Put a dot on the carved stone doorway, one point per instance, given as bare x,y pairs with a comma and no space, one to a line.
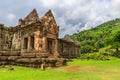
25,43
50,45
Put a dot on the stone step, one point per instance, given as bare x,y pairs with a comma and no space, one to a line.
28,55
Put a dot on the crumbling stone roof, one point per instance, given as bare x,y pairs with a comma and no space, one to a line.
30,18
33,15
1,25
48,17
69,39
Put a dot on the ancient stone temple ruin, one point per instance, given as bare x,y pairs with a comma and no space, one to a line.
34,38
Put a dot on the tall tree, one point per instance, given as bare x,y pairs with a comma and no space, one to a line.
116,41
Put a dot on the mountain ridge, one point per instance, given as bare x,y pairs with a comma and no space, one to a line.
98,37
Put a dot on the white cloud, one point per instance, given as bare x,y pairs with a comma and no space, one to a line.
87,13
71,15
10,17
49,3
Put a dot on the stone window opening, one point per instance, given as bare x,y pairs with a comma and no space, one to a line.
50,45
40,45
25,43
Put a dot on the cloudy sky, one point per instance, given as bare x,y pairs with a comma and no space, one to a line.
71,15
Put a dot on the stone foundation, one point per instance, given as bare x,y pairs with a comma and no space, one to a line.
29,60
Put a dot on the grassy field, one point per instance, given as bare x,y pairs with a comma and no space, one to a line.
75,70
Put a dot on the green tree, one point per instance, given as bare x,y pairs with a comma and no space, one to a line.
116,41
86,49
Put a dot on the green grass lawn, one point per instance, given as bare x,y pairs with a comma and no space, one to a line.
75,70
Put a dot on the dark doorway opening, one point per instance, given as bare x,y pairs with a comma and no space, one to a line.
25,43
50,45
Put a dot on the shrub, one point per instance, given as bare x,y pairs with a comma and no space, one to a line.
94,56
86,49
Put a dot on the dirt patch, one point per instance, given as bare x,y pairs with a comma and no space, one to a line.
91,68
73,68
78,68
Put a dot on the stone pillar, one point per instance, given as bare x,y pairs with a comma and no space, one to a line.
0,43
29,47
22,44
36,42
56,48
44,44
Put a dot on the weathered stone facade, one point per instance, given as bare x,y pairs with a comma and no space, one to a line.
34,34
5,38
38,36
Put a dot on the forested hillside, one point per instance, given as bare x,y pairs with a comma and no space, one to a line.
106,34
